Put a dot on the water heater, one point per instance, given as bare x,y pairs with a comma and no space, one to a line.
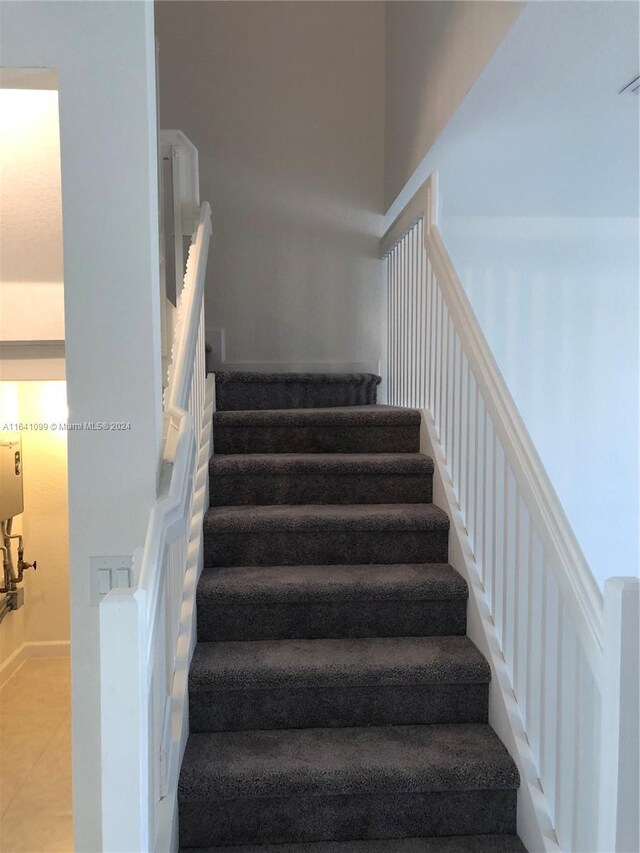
11,496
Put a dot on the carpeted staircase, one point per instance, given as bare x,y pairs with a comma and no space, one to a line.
336,705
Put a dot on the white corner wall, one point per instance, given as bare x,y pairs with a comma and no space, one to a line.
539,183
104,54
285,103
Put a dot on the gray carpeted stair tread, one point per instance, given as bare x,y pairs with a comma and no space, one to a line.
329,534
278,664
448,844
333,694
314,601
284,464
341,429
237,390
301,584
325,517
339,416
249,479
342,762
225,377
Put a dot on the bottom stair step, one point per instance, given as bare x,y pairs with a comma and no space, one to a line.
285,786
448,844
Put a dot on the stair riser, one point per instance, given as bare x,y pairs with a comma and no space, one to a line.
263,490
289,548
330,620
316,439
233,396
315,818
320,707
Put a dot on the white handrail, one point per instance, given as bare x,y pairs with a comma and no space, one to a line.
537,609
576,575
186,332
147,632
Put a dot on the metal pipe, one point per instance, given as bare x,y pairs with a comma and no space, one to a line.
7,527
12,578
5,568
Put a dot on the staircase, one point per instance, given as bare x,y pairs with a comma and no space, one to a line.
335,703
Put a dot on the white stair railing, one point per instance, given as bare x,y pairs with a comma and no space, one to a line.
571,656
147,632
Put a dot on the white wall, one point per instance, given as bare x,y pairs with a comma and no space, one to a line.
543,131
557,298
285,103
105,57
31,286
539,183
436,50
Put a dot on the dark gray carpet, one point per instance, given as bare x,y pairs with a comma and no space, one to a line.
314,663
325,534
336,705
305,784
315,478
457,844
359,429
315,683
274,820
236,391
285,602
337,762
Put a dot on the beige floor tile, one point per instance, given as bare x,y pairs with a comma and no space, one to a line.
45,716
9,786
40,687
40,669
35,759
37,833
47,788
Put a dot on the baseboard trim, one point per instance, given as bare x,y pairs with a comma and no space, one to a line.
42,649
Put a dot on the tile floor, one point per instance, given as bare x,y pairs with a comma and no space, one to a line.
35,759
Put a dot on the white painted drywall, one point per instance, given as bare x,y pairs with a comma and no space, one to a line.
435,52
31,286
285,103
104,54
557,298
539,185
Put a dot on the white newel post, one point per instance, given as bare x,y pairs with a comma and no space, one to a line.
619,830
125,722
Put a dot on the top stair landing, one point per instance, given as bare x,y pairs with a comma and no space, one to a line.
237,391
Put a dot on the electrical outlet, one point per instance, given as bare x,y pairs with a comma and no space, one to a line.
108,573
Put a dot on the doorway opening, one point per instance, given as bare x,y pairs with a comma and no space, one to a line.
35,689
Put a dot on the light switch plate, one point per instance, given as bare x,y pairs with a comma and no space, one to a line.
107,573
